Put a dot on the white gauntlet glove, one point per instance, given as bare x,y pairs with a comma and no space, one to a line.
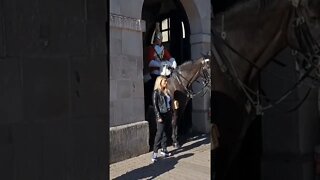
173,63
164,68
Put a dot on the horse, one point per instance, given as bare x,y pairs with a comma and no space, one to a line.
180,87
245,38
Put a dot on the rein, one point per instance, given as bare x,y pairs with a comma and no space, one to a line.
189,92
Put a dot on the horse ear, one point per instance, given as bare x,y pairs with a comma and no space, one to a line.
206,56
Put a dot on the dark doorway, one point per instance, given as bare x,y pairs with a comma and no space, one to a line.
175,28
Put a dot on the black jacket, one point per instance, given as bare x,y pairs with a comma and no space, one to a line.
159,103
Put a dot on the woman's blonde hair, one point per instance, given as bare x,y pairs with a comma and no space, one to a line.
157,84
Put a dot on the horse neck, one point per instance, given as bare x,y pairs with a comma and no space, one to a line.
190,73
256,33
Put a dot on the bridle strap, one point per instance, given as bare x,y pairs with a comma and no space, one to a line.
219,39
303,35
177,75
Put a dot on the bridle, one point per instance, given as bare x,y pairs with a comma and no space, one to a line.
302,33
310,49
202,73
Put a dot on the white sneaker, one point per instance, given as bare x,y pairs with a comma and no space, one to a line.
154,157
165,153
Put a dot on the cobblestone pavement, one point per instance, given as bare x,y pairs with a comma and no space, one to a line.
190,162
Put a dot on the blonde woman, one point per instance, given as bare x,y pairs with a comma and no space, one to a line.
161,104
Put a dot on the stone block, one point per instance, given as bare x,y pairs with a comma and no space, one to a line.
131,9
6,159
113,90
45,89
123,91
46,28
96,10
114,6
60,150
27,150
114,115
55,149
132,43
138,108
120,111
11,92
116,65
115,46
128,67
126,113
6,152
128,141
97,42
137,88
75,150
21,23
88,86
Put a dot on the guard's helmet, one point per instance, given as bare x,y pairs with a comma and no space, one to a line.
157,34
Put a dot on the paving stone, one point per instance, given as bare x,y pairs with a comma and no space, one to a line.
191,161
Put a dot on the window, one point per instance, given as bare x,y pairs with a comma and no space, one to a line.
183,30
165,30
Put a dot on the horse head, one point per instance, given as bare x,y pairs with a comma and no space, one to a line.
187,73
206,71
246,38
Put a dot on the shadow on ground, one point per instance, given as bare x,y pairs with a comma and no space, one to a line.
153,170
199,140
164,165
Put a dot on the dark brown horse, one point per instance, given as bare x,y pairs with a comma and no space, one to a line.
180,86
245,38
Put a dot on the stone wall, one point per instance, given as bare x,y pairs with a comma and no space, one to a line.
53,75
127,117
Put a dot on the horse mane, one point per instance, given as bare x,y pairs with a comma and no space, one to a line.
188,65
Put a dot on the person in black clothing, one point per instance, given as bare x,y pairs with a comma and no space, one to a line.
161,105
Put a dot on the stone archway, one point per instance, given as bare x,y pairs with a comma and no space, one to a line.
173,14
197,42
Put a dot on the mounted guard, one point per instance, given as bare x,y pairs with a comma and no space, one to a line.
159,59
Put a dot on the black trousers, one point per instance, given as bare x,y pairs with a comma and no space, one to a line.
161,137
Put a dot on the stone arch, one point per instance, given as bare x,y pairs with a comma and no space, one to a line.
199,19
